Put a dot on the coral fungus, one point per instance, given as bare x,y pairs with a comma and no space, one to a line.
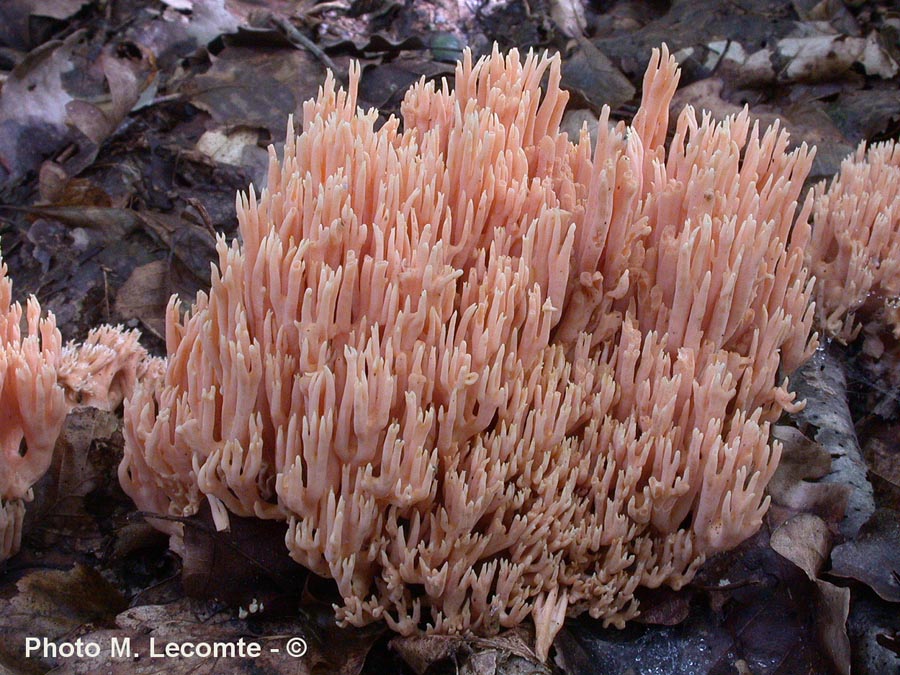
33,405
855,254
40,382
485,372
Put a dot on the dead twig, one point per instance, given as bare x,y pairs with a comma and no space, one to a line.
300,40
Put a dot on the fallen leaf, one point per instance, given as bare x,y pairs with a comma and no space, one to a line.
51,604
873,557
507,653
867,113
568,15
16,19
420,652
73,505
833,608
64,94
664,607
385,85
828,57
144,296
145,633
247,87
232,146
804,540
172,34
250,554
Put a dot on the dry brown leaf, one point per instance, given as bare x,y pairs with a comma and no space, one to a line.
250,554
873,558
664,607
883,455
61,522
44,109
805,540
833,608
171,33
144,296
508,653
16,18
145,633
248,87
52,604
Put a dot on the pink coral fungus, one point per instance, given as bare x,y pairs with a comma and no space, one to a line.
33,407
855,254
482,371
40,382
104,369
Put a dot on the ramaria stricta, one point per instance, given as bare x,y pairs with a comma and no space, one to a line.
484,372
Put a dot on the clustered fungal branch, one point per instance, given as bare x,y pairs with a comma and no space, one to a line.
855,254
41,380
485,372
